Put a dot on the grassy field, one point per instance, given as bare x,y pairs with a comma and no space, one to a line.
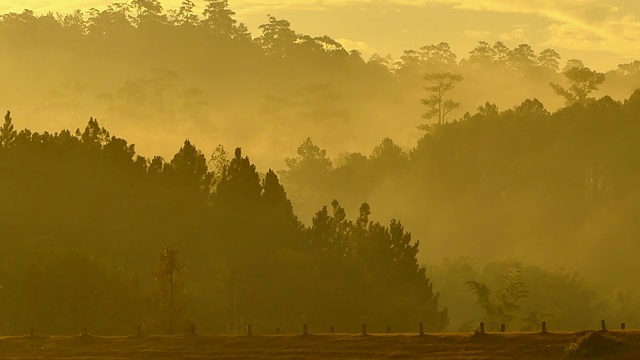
561,345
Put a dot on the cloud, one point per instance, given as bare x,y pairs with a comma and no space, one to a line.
366,49
585,25
477,34
519,33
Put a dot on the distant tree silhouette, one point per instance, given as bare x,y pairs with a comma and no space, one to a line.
311,161
522,57
7,132
218,18
437,105
148,12
218,164
572,63
531,108
583,82
437,58
189,166
110,23
630,69
277,38
549,58
161,80
185,15
483,53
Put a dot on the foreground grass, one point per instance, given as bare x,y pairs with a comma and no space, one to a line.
326,346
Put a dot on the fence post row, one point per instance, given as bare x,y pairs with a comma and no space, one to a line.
192,329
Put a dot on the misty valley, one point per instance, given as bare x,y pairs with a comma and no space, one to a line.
430,206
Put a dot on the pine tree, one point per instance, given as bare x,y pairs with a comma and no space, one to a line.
7,132
186,15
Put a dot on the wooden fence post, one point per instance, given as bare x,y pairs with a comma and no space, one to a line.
421,327
388,329
192,329
333,329
603,325
482,328
503,328
304,329
364,329
544,327
249,330
623,326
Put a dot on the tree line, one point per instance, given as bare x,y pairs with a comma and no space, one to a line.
190,70
84,218
555,188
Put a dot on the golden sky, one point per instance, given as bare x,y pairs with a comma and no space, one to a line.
603,33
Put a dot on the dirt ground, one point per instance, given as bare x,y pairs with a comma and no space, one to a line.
559,345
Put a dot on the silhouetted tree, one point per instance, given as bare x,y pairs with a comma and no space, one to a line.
549,58
148,12
169,282
522,57
583,82
437,105
162,79
437,58
504,305
277,38
189,165
185,16
483,53
218,18
7,132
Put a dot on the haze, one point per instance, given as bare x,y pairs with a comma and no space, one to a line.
479,158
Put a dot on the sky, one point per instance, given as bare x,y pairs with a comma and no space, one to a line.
602,33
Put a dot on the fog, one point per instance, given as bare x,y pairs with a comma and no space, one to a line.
546,187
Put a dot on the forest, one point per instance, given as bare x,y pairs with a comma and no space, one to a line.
426,189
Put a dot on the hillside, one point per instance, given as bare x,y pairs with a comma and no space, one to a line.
624,345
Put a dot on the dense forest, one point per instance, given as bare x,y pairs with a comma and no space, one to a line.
196,72
84,219
521,173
